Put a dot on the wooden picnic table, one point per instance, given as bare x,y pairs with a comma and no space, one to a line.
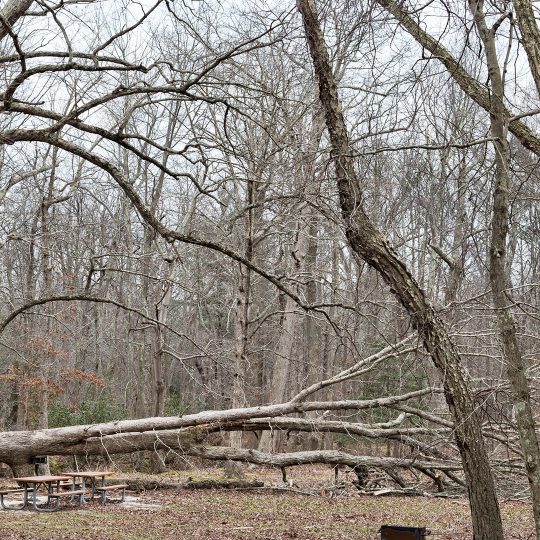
52,483
96,478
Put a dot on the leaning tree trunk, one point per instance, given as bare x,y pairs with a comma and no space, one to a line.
530,36
10,13
498,267
369,244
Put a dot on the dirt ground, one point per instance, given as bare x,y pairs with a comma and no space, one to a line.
256,514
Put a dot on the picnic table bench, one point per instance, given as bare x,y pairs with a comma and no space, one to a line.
73,494
31,484
62,487
114,487
97,484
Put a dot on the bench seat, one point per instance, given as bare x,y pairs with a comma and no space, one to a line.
58,494
113,487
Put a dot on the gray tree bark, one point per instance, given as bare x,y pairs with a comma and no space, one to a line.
498,261
530,37
10,13
16,447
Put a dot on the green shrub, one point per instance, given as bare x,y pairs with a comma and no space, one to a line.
91,411
174,405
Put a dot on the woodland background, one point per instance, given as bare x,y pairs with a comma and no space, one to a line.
211,111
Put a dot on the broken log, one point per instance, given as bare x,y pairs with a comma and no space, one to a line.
221,484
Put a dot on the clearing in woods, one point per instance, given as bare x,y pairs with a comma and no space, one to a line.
226,514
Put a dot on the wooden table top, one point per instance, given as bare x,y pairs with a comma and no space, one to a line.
89,474
41,479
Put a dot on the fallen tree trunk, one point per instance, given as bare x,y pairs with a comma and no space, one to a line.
16,447
330,457
188,435
221,484
181,433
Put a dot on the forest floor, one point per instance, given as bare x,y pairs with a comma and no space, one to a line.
262,514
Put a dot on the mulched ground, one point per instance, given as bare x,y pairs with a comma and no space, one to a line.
258,514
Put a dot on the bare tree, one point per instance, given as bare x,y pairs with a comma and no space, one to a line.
498,259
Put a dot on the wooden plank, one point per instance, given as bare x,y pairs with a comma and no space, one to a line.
89,474
65,493
107,488
41,479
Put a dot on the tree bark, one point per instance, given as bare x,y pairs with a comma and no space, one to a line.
333,457
10,13
371,246
530,37
498,265
241,319
16,447
255,193
468,84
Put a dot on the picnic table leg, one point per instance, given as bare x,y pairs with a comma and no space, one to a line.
50,490
24,503
83,487
103,493
34,500
94,486
34,497
73,488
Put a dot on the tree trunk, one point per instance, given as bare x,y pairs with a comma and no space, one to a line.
241,327
530,37
476,91
243,300
369,244
499,267
162,311
16,447
10,13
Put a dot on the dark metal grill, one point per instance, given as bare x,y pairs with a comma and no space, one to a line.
393,532
37,461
